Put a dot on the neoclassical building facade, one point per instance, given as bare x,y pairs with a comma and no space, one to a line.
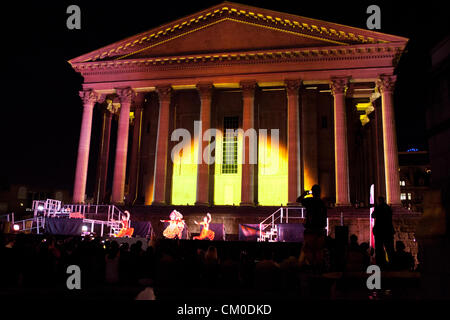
326,88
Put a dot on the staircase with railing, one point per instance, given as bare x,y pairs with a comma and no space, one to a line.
268,230
268,227
109,216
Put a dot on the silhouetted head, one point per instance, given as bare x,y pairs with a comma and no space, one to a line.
400,246
381,200
211,254
353,239
316,191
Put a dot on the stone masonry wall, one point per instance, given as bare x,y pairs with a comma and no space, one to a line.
404,226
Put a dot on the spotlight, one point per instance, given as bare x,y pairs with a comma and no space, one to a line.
16,227
41,208
84,228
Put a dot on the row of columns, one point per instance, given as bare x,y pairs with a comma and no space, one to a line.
126,96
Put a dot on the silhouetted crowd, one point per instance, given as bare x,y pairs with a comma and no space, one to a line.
172,266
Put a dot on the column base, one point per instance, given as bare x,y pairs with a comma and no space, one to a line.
343,205
293,204
247,204
159,203
395,205
203,204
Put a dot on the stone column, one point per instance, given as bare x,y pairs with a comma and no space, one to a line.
89,98
159,189
292,87
248,169
102,167
205,93
338,89
308,139
136,150
386,85
125,96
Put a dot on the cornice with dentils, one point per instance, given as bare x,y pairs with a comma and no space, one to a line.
320,30
268,56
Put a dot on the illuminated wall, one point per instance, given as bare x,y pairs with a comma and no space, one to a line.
272,161
186,105
272,173
184,176
227,186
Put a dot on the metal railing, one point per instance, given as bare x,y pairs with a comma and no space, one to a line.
282,214
110,214
28,225
8,217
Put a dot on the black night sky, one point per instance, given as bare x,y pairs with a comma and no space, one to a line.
40,108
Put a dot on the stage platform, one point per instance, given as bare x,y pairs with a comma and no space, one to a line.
232,216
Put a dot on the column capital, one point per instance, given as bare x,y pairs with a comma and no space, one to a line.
386,83
89,97
339,85
125,95
292,86
164,92
205,89
248,88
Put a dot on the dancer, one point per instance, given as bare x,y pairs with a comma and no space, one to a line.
125,231
205,232
176,226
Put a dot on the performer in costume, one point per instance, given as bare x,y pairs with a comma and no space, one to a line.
205,232
125,231
176,225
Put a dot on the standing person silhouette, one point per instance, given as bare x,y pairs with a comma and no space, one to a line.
316,221
383,232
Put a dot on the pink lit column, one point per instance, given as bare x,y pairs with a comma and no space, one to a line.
136,150
89,98
292,87
248,169
159,190
120,165
338,88
386,85
205,92
102,166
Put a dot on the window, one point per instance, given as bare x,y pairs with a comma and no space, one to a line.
230,145
403,196
409,195
402,183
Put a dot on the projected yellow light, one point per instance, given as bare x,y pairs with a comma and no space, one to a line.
149,194
227,186
364,119
363,106
308,180
367,108
272,173
184,177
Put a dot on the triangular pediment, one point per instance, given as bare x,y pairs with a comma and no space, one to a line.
231,27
